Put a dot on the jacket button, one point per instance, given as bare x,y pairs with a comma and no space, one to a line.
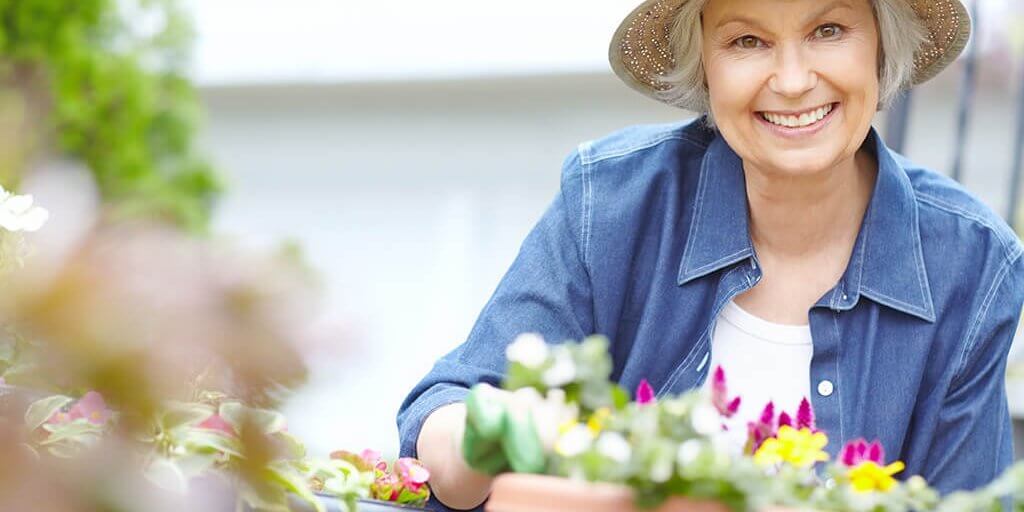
825,388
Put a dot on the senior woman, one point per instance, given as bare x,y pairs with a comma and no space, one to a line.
776,236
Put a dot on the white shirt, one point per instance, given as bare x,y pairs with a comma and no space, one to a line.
763,361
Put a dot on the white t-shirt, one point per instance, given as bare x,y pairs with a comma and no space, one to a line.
763,361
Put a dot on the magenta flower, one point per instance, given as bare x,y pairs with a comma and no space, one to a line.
720,395
762,429
785,420
805,416
218,424
644,393
859,450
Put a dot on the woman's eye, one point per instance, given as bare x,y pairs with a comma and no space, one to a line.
828,31
748,42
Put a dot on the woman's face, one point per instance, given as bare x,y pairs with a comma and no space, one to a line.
793,83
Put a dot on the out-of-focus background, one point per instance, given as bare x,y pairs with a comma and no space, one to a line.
408,147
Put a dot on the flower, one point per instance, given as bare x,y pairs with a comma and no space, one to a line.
867,462
785,420
720,395
799,448
614,446
575,440
91,407
859,450
528,349
705,420
18,214
412,473
688,452
869,476
598,419
560,373
805,415
373,459
217,423
762,429
644,393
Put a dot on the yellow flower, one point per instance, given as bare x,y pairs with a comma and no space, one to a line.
869,476
597,420
800,448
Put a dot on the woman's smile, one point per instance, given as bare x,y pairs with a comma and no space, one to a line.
798,124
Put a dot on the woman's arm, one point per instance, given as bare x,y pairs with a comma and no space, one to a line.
973,440
440,449
547,290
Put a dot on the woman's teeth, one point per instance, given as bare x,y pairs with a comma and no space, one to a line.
805,119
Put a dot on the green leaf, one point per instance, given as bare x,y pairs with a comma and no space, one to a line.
181,414
294,482
199,440
266,421
42,410
80,430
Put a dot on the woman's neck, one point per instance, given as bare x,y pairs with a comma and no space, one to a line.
793,218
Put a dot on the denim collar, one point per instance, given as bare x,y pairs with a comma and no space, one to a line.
886,265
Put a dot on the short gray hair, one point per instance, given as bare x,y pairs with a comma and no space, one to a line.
899,27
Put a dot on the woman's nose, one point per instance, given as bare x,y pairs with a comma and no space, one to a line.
794,75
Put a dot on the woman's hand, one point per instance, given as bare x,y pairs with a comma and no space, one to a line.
439,448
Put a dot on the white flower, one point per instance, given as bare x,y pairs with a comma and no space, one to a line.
574,441
528,349
18,214
562,372
551,414
614,446
706,420
662,469
688,452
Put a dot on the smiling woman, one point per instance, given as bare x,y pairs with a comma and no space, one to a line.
776,236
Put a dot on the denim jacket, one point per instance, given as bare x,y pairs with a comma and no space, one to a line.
648,239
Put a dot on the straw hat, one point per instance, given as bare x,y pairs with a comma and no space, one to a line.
640,51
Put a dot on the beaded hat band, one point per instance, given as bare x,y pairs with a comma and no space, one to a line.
641,51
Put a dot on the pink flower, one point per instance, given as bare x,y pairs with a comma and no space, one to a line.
373,458
412,473
720,395
90,407
644,393
216,423
859,450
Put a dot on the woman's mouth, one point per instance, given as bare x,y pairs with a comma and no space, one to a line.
798,124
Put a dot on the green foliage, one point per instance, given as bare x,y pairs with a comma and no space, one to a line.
120,102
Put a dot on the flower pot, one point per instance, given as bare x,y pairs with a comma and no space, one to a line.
536,493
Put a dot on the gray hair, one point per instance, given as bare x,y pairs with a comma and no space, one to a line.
900,29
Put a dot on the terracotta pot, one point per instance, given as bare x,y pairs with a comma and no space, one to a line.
536,493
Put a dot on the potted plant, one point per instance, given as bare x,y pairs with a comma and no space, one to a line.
560,436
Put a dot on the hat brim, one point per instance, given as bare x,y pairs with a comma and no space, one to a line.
640,51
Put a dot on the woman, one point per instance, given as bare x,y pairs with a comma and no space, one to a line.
777,237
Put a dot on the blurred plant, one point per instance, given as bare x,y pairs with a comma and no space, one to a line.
404,482
104,82
190,341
